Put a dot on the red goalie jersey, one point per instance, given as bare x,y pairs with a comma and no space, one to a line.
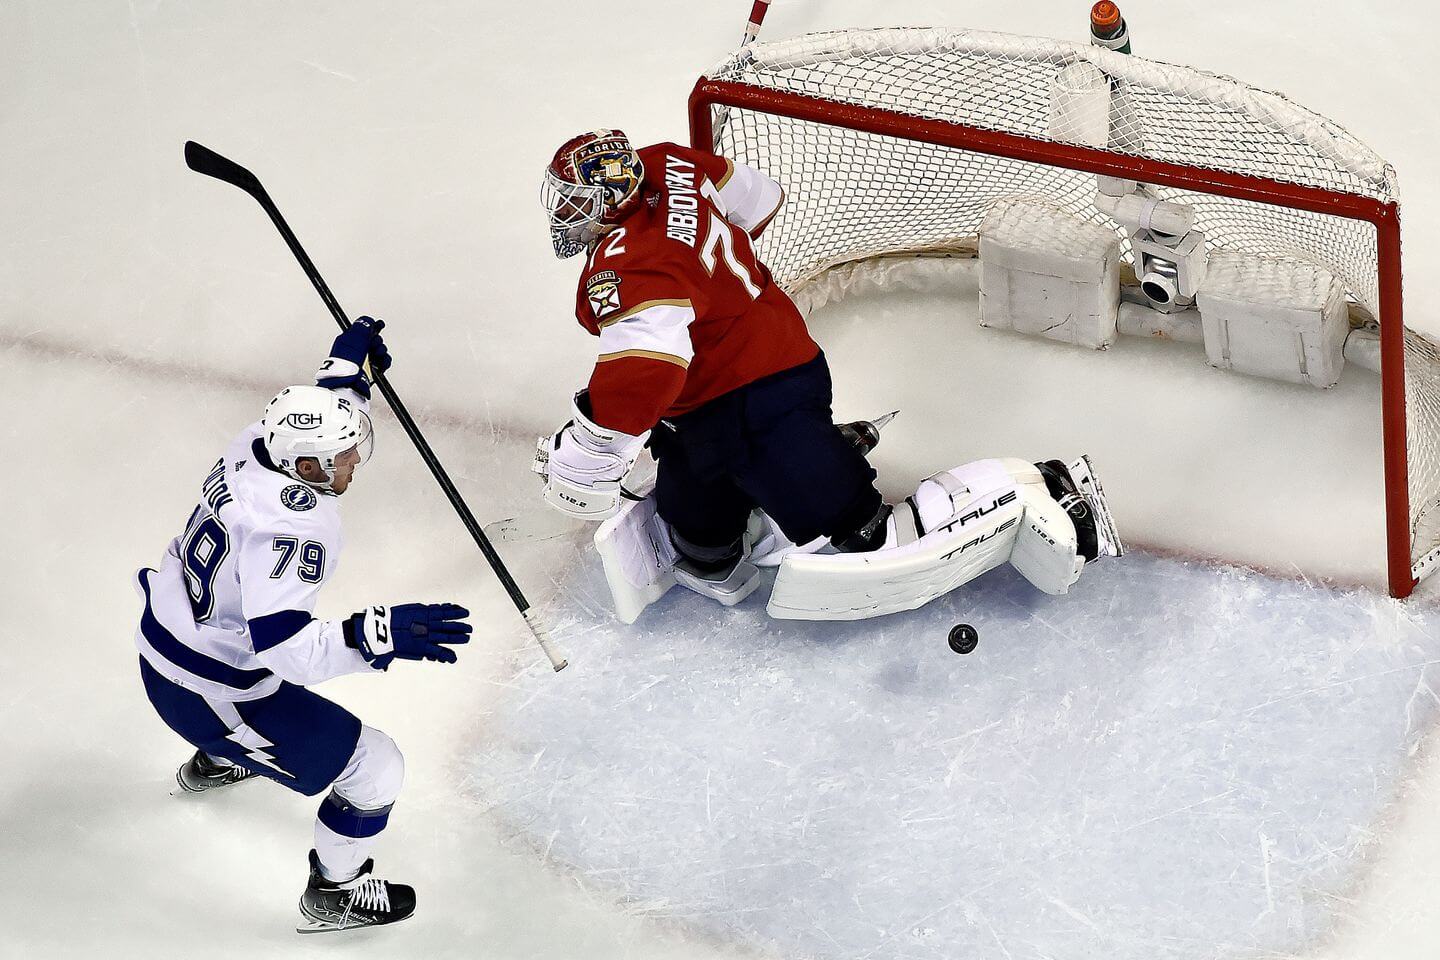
683,309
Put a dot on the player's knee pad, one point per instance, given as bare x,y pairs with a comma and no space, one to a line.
376,772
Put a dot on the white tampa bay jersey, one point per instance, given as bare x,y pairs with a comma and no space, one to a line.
228,613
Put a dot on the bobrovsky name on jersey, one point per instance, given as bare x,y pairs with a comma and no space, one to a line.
682,211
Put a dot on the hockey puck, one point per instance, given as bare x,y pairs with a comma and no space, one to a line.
964,638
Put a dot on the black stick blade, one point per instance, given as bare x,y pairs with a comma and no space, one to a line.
202,159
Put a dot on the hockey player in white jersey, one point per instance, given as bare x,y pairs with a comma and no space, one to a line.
228,643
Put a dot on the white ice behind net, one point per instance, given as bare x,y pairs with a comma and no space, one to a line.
853,196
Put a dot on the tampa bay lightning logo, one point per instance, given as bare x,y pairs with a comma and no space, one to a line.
299,497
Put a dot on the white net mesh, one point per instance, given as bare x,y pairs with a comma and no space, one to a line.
854,195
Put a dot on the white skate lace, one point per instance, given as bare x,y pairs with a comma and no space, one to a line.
369,895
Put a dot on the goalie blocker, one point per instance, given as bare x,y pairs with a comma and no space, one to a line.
1047,520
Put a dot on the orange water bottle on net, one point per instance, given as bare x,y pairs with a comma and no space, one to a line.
1107,27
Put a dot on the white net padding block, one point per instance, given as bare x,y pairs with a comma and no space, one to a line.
1080,105
1047,272
1281,318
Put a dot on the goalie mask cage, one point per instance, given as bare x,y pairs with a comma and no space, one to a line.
897,141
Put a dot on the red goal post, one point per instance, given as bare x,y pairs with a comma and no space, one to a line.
882,83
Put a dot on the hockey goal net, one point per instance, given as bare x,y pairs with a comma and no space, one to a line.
898,141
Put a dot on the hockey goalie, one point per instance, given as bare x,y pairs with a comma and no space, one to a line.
706,361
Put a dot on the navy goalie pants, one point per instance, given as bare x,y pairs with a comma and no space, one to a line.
771,444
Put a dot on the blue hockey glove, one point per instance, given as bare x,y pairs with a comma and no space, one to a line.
410,631
345,365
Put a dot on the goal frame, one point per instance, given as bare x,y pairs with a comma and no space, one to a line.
709,94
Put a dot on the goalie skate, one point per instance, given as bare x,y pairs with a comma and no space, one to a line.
1087,484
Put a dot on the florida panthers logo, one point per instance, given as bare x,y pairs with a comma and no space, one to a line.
603,292
610,164
298,497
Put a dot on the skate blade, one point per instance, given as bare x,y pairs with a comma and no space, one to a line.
180,790
325,926
1082,471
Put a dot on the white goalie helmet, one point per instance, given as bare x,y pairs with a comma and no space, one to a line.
306,421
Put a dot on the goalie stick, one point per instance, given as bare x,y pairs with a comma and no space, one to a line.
202,159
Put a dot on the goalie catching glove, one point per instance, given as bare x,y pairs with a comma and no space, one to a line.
583,463
410,631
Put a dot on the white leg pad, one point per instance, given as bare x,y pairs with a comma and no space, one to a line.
1045,548
975,517
638,557
966,536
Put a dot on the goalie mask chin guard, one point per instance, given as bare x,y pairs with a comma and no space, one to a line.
575,210
593,181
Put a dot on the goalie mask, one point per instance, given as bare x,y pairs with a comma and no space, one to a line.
592,182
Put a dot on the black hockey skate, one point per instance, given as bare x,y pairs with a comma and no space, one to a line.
201,773
363,901
1077,489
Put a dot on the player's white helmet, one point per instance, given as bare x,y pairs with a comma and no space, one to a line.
314,422
592,182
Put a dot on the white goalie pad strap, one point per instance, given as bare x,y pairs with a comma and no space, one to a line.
954,493
951,485
767,545
638,557
906,517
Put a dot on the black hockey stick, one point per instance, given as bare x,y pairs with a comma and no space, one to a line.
202,159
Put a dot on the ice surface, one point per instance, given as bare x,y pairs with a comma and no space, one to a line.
146,313
1203,781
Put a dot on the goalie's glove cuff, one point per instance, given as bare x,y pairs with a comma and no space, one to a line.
410,631
598,439
583,464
